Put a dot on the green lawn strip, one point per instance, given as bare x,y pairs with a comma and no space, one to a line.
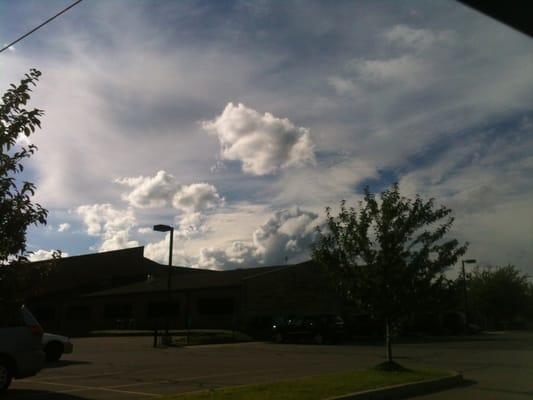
316,387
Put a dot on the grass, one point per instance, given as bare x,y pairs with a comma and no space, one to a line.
316,387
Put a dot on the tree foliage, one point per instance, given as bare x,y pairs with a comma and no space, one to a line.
17,210
499,294
387,256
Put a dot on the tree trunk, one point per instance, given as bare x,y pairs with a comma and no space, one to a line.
388,343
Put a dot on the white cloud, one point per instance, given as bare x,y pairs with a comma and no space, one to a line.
158,251
63,227
192,225
197,197
286,236
418,39
10,48
326,185
263,143
405,69
116,241
110,224
149,192
486,183
342,85
41,255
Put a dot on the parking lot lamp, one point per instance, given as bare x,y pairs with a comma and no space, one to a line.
469,261
167,228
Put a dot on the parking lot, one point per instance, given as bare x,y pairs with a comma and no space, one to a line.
129,368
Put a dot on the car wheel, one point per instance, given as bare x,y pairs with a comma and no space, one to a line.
5,375
53,351
278,338
318,339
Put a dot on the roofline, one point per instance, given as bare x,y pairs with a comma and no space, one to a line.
92,296
129,249
278,269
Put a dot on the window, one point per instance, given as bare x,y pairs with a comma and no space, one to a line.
78,313
117,311
11,317
163,308
216,306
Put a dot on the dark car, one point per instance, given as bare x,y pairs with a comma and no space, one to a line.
21,353
318,328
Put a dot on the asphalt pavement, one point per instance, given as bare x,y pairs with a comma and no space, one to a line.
496,366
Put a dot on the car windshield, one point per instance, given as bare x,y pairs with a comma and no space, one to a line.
29,319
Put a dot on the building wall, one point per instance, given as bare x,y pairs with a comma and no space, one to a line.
216,308
252,301
300,289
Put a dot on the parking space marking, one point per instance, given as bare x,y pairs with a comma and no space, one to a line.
59,377
81,388
192,378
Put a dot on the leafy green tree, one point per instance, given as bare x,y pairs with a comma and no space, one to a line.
17,210
499,294
387,256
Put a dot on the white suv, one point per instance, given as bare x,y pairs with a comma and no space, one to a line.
21,353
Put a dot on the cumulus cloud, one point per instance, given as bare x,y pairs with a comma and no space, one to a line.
158,251
197,197
286,235
42,254
192,225
63,227
112,225
149,192
263,143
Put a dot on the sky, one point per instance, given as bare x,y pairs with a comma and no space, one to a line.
238,122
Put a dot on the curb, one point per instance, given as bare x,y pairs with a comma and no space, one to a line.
405,390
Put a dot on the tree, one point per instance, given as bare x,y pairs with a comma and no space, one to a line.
388,255
499,294
17,210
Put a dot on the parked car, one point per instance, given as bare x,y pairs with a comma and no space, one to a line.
319,328
21,353
55,346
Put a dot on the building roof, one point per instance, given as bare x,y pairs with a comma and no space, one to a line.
91,272
202,280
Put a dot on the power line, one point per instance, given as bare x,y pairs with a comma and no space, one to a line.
40,26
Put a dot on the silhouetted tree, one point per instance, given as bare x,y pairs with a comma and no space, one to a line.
389,255
499,294
17,210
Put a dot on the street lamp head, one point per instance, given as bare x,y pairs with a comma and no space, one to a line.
162,228
470,261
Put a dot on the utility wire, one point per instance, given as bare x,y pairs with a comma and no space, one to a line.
40,26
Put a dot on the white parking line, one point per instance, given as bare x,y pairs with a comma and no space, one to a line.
190,378
81,388
60,377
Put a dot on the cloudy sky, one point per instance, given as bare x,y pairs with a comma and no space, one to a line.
237,122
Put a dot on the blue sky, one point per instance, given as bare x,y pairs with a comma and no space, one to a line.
238,122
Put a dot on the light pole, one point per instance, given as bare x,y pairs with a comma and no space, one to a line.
167,228
469,261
